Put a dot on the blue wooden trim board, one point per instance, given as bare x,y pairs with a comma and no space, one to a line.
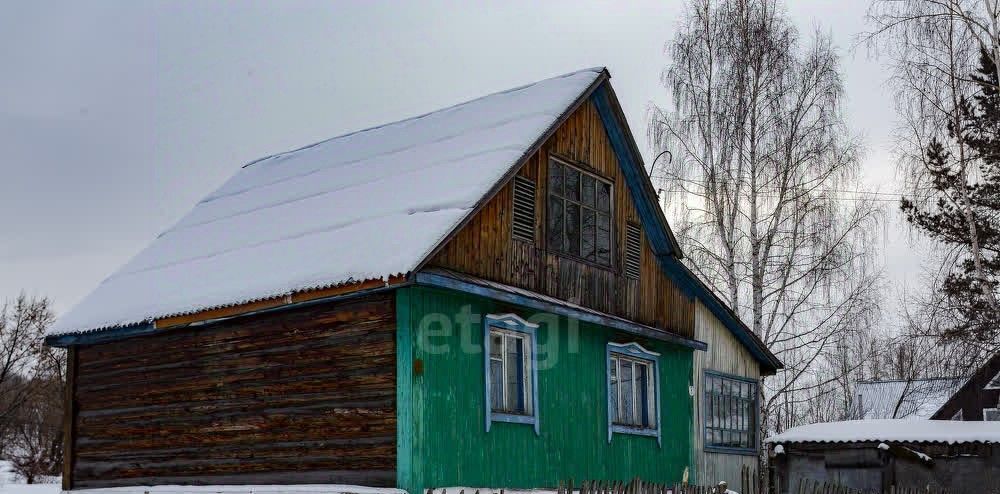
443,281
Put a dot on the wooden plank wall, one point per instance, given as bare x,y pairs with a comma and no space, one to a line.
485,248
726,355
299,396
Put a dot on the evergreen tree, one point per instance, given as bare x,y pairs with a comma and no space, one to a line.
965,179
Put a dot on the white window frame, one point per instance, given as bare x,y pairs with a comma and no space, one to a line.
636,353
511,325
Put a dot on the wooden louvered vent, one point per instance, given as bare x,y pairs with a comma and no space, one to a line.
633,249
524,209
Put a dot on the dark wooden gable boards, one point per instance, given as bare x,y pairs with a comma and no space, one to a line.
487,248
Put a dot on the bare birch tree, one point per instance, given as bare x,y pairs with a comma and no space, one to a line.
766,166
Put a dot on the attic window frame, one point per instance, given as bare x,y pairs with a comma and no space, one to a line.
550,195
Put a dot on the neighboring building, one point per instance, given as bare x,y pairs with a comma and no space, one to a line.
978,398
903,398
879,454
483,295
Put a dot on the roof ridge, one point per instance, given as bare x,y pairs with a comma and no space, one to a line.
422,115
880,381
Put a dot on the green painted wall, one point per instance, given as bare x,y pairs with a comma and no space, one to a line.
442,437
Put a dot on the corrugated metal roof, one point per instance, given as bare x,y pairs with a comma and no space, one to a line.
916,431
904,399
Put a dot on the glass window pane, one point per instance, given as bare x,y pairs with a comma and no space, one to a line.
641,398
555,233
587,191
613,406
587,250
555,177
515,374
627,392
572,239
603,197
603,243
496,384
572,184
496,344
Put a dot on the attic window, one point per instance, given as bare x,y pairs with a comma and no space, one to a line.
633,250
524,209
579,214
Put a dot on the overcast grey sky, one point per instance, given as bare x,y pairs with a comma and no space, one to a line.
116,117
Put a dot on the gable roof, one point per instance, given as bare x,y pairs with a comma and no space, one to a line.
394,193
280,225
980,381
904,399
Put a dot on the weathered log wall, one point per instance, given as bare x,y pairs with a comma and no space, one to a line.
299,396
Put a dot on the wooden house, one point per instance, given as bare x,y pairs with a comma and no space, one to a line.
484,295
978,398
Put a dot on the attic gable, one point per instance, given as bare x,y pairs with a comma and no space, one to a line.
487,246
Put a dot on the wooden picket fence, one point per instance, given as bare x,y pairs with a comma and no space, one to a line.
809,486
636,486
747,485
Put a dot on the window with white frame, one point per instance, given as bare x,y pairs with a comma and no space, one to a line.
633,388
511,375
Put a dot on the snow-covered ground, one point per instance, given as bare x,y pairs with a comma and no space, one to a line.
29,489
10,483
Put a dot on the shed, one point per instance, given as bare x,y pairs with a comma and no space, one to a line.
879,454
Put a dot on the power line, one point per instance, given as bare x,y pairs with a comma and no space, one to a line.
865,195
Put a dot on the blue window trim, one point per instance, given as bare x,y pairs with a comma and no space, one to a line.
510,322
704,415
637,351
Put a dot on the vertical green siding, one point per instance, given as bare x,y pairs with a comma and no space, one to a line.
446,443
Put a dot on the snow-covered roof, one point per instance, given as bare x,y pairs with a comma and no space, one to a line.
888,430
363,206
904,399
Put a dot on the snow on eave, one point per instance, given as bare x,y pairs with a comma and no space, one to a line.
892,431
385,280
